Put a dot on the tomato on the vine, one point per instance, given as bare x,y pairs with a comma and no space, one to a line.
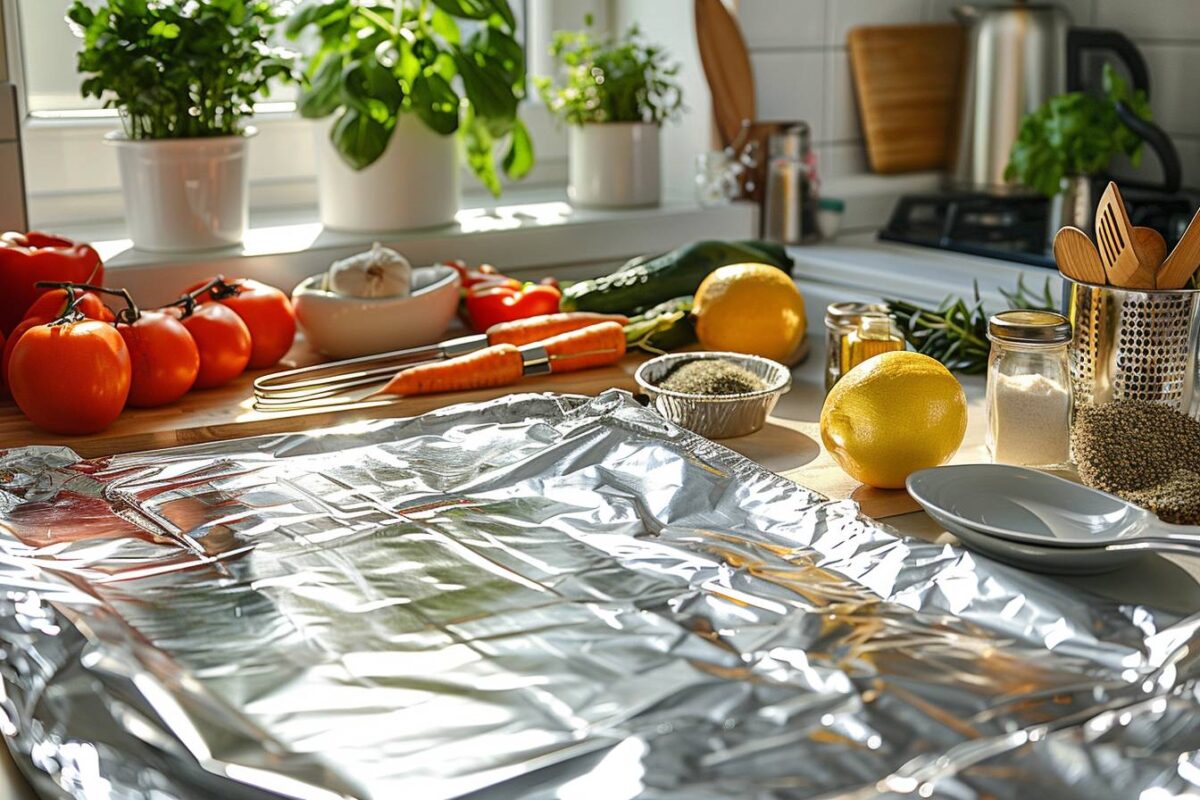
14,337
266,311
70,376
222,341
53,304
163,357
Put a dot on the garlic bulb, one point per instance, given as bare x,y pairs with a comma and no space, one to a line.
379,272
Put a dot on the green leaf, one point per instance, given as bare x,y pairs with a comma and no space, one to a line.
486,86
478,141
372,89
359,138
444,26
315,13
435,103
167,30
519,158
323,95
479,10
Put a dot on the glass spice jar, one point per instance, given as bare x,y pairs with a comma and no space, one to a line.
841,320
1029,389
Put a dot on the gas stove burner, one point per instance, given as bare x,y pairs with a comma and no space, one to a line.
1014,228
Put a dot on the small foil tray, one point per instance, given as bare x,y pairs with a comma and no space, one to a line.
545,597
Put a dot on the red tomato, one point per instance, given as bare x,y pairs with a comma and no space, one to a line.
70,377
15,336
53,304
163,357
266,311
223,342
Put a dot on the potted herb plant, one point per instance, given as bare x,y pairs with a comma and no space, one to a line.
616,94
1071,138
184,76
397,80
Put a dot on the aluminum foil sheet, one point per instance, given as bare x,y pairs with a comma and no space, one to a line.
545,597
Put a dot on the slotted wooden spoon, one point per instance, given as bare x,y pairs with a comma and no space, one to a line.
1179,267
1118,248
1077,257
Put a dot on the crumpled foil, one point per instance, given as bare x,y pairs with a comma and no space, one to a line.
545,597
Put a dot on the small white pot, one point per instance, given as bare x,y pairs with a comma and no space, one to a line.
414,184
184,194
614,165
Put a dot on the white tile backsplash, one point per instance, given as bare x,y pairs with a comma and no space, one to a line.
1151,19
782,23
791,86
841,106
1174,96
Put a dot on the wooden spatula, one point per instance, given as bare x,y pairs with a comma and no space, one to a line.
1179,267
1118,249
1077,257
726,67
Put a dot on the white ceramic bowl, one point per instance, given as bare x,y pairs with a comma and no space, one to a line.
345,327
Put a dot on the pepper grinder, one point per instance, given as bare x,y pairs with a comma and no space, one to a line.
790,208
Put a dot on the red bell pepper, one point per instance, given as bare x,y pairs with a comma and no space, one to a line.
488,305
471,277
26,258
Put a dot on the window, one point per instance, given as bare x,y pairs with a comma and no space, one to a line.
72,176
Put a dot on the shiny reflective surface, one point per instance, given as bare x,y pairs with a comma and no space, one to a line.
545,597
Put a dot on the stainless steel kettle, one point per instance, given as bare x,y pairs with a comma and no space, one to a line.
1018,56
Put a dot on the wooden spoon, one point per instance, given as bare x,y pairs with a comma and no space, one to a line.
1077,257
1151,246
1118,249
1179,267
726,66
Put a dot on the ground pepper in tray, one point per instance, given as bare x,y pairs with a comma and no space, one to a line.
1147,453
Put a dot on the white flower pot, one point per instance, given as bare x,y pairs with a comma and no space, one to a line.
414,184
614,165
184,194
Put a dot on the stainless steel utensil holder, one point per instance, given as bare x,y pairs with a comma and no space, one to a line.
1134,345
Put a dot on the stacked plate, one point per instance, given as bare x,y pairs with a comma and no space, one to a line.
1043,523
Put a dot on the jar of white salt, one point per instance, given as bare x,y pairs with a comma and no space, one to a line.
1029,389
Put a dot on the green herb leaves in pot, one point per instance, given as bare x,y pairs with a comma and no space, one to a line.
375,62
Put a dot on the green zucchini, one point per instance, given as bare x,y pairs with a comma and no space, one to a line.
674,274
666,326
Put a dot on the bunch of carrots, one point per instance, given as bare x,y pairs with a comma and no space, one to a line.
570,342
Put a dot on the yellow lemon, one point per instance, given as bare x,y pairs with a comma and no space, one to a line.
892,415
750,308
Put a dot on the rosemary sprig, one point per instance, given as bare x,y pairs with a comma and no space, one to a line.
955,333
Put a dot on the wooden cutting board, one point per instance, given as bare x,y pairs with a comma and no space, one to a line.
906,80
227,412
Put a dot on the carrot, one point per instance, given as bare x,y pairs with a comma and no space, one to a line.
498,365
534,329
593,346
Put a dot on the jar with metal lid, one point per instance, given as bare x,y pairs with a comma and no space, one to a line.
1029,389
842,319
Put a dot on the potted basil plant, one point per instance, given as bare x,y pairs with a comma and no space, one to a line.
398,82
184,76
1071,138
616,93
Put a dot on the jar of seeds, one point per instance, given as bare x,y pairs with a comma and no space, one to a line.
1029,389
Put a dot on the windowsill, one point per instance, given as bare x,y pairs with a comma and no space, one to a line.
529,231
